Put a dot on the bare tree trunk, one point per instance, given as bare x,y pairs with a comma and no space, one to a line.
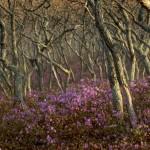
130,46
18,77
40,76
145,59
108,40
147,64
125,89
125,69
114,84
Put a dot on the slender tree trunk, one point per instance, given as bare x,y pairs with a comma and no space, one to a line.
125,69
108,40
114,84
147,64
18,77
130,46
125,89
145,59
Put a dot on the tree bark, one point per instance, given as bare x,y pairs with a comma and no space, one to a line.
108,40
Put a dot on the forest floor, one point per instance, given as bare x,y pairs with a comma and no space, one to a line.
81,118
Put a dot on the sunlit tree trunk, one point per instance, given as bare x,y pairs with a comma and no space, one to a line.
144,58
125,89
107,39
147,64
130,46
125,69
114,84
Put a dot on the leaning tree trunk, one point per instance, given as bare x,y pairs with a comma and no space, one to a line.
108,40
125,89
144,17
130,46
114,84
145,60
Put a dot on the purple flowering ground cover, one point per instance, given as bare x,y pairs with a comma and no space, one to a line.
81,118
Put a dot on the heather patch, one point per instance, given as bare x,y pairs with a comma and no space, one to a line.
80,118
